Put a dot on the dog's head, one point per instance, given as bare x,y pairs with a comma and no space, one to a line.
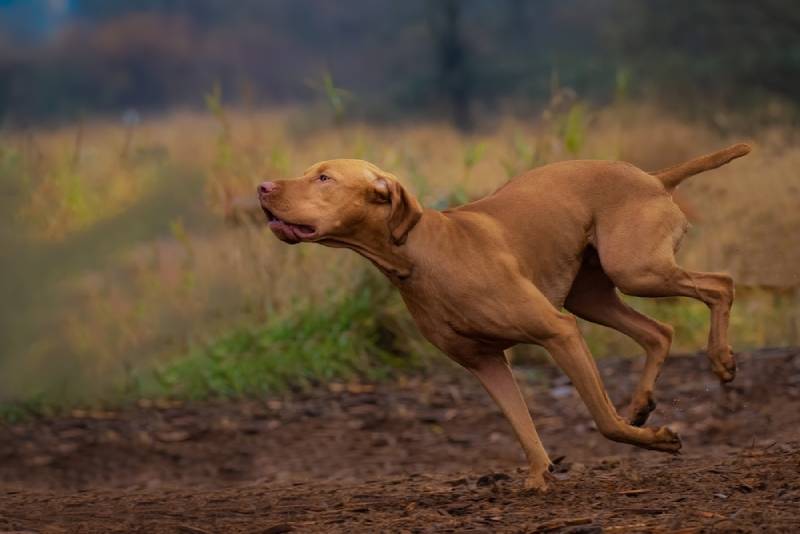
341,200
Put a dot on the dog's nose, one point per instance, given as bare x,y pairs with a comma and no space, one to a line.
266,188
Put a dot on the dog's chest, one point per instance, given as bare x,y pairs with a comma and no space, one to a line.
483,302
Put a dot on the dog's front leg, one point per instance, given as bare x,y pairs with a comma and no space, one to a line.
495,374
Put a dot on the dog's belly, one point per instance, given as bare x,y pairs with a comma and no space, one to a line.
447,324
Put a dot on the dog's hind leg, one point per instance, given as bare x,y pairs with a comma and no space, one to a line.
594,298
639,259
714,289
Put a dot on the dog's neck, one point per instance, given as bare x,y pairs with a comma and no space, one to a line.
392,260
395,261
398,262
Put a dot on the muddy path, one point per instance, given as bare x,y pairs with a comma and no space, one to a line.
418,454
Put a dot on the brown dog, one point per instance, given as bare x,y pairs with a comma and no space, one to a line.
485,276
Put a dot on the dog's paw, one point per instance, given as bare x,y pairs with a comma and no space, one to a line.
723,363
665,440
539,483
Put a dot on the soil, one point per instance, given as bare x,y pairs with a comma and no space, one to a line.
420,454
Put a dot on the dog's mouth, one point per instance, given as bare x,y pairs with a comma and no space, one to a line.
289,232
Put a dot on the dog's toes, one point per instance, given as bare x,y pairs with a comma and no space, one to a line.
641,411
666,440
539,483
723,363
730,371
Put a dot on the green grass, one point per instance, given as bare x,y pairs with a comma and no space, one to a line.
346,338
20,411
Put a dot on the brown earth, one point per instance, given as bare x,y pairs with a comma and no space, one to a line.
420,454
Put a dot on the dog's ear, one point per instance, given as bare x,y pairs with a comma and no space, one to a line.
405,210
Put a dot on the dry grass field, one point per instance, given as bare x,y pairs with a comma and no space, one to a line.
119,259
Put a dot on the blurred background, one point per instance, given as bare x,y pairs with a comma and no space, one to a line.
133,132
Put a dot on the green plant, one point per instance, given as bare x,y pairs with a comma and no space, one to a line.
573,129
473,154
23,410
279,160
524,156
345,338
333,96
622,84
222,167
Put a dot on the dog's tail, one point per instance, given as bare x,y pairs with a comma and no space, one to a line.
673,176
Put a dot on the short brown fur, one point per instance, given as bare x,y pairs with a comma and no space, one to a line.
485,276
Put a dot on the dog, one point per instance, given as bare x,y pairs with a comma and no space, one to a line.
482,277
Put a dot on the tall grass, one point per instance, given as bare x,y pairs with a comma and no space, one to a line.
119,269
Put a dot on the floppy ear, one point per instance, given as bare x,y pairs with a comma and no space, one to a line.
405,209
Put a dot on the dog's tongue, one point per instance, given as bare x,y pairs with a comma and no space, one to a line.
289,231
284,230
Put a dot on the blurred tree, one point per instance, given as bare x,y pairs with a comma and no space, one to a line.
461,56
725,46
454,76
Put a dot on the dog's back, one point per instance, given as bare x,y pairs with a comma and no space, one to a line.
551,214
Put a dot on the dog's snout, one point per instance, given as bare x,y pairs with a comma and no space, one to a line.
266,188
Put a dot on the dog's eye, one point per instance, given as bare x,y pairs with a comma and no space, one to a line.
323,178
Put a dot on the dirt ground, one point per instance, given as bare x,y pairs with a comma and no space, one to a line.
422,454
